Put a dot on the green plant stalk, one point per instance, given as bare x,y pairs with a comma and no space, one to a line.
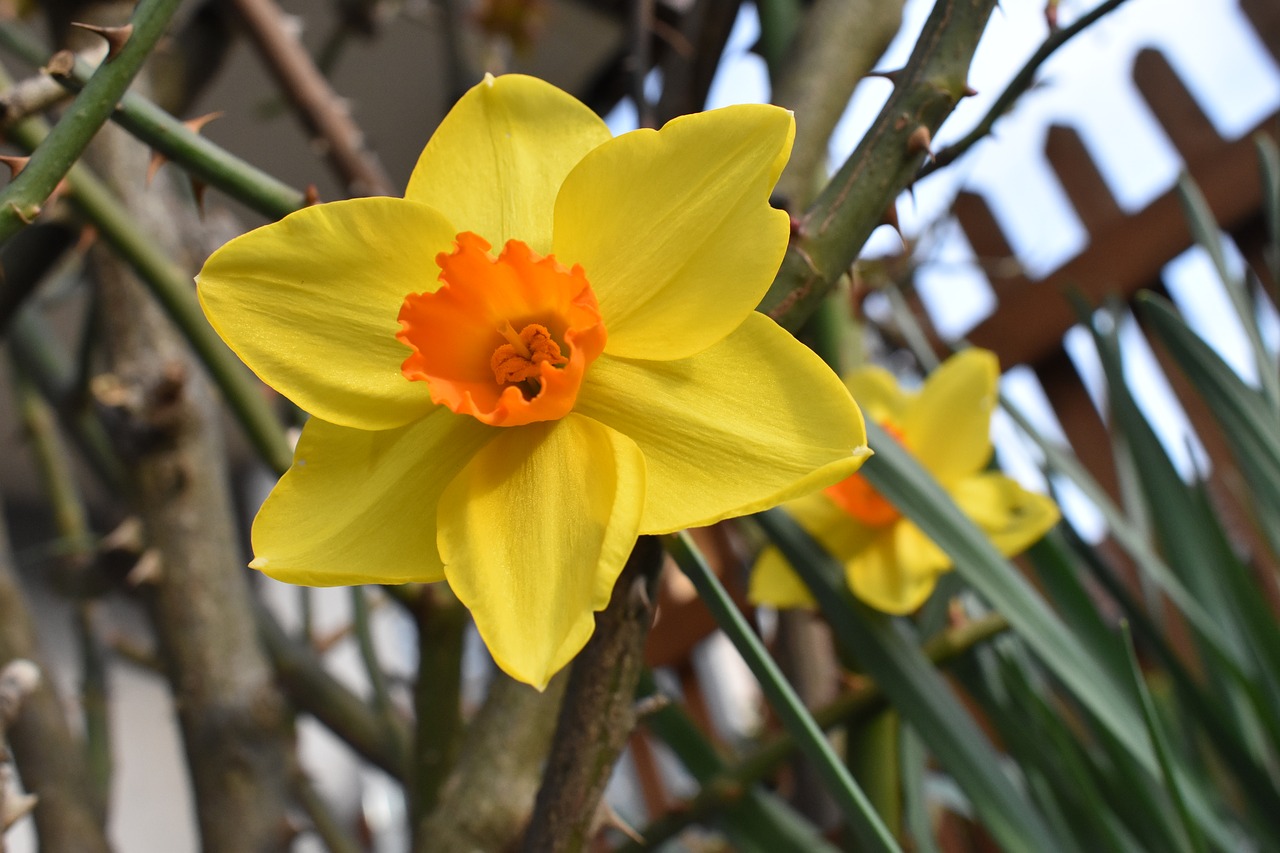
22,199
833,229
172,289
205,161
441,623
363,629
726,783
753,819
1193,840
72,523
29,343
865,824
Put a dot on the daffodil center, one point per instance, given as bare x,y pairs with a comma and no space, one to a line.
857,497
505,340
517,361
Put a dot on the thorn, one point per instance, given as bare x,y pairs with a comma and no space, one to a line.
117,37
128,537
59,189
890,217
148,570
796,226
920,140
968,91
312,196
650,705
197,189
1051,15
891,76
15,164
613,819
88,236
195,125
61,64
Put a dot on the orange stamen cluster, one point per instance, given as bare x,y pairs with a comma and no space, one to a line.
518,359
859,498
465,342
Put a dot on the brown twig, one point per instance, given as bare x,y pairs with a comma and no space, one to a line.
46,752
487,798
323,112
598,712
838,43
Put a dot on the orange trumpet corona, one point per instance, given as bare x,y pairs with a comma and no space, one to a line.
505,340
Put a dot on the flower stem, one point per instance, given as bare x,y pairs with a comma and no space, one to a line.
866,825
598,712
204,160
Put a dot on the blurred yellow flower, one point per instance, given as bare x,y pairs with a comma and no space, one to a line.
511,423
889,562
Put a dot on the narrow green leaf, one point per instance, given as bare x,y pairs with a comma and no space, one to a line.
1212,718
915,688
898,476
1125,531
1204,228
752,818
1248,424
1269,162
915,799
864,823
1192,839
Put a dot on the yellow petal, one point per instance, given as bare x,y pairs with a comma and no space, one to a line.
775,582
897,570
1013,517
497,160
674,227
878,394
359,506
750,422
948,427
533,533
310,304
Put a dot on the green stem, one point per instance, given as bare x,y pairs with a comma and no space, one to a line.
1019,84
442,622
203,160
22,199
835,226
724,786
171,287
863,820
362,627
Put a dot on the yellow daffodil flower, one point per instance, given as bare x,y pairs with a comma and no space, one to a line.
510,419
889,562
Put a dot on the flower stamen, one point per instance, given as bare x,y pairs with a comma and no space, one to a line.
505,340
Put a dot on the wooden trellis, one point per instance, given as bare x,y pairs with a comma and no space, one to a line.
1124,254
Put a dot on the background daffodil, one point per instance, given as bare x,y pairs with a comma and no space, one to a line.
889,562
547,348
